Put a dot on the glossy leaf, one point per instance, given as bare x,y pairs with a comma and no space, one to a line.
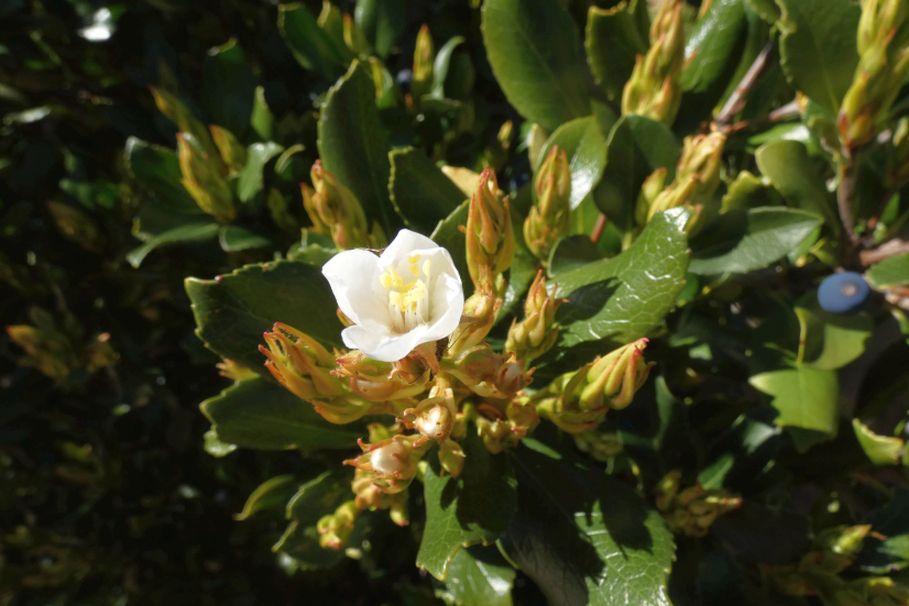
585,538
479,575
381,21
880,450
472,509
234,238
420,191
623,298
742,241
533,47
831,341
269,495
584,143
352,143
258,413
448,235
311,46
818,48
805,398
228,88
188,232
233,310
710,46
613,39
250,180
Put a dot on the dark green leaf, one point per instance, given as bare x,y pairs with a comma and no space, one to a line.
571,253
310,45
818,48
190,232
381,22
228,88
421,193
319,496
448,235
585,538
613,38
623,298
473,509
584,143
250,180
234,238
741,241
710,45
257,413
479,575
352,144
830,341
534,49
269,495
233,310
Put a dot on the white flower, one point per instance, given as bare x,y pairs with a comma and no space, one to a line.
409,295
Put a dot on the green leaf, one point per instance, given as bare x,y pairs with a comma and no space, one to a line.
184,234
234,238
798,179
311,46
445,63
228,88
262,120
479,575
613,39
381,22
473,509
319,496
269,495
740,241
805,398
890,272
623,298
880,450
166,203
710,45
767,10
585,538
448,235
420,192
352,143
636,146
250,180
818,48
257,413
233,310
830,341
534,50
584,143
571,253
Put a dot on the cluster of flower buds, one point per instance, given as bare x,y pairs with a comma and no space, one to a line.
480,311
203,178
335,210
490,238
335,528
305,368
550,216
487,373
600,445
388,382
391,462
653,89
578,401
503,426
533,336
883,46
693,510
697,178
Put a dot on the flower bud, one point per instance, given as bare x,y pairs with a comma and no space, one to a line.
487,373
502,431
537,332
335,528
883,45
434,417
370,497
653,89
692,511
334,208
354,38
422,63
651,189
490,239
549,219
203,179
451,457
381,381
391,463
232,152
601,446
479,315
304,367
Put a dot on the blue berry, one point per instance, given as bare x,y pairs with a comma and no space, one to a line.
843,292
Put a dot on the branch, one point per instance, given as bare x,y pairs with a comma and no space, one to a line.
886,250
738,98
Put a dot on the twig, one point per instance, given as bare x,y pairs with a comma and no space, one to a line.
736,101
844,196
884,251
598,228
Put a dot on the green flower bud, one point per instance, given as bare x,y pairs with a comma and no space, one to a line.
653,89
500,429
601,446
423,54
334,209
693,510
335,528
490,239
370,497
883,45
232,152
354,38
549,219
391,463
382,382
487,373
304,367
202,178
451,457
479,315
537,332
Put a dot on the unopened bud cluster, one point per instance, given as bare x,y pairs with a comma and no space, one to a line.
692,510
335,210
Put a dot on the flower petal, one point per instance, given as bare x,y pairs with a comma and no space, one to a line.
404,244
387,347
353,276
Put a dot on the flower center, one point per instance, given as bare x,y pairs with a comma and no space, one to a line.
408,296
